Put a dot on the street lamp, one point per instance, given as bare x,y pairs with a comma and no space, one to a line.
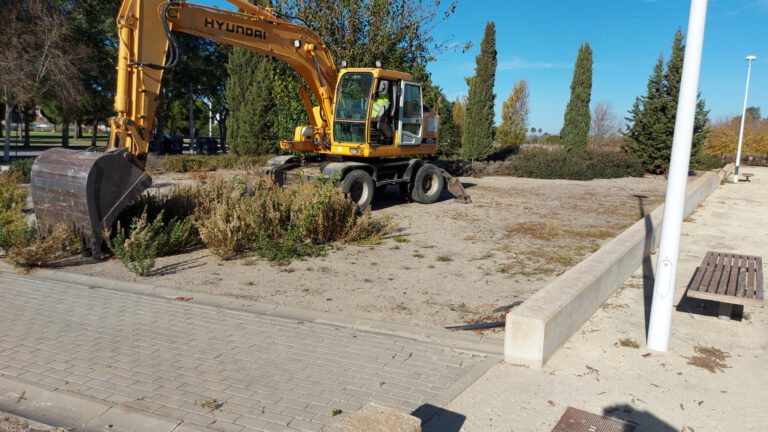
749,60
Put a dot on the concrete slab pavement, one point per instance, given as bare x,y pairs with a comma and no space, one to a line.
600,370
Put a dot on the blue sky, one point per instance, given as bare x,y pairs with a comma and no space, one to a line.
538,40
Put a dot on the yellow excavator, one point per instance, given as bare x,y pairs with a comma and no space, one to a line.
366,124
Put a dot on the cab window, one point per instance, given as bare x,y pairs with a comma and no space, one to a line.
352,101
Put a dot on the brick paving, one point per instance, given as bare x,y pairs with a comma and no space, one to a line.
171,358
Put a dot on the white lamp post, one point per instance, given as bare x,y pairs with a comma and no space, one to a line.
743,115
669,247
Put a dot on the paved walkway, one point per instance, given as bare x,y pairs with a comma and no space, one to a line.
600,370
119,353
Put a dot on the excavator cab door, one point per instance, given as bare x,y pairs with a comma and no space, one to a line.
411,112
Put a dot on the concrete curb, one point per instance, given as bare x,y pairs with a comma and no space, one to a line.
34,402
31,423
540,326
461,341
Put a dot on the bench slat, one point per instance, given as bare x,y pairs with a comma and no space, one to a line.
744,287
712,288
737,263
727,270
706,269
699,274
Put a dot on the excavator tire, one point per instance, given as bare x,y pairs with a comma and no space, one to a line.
85,190
428,184
358,186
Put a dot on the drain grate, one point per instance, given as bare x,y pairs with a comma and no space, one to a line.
576,420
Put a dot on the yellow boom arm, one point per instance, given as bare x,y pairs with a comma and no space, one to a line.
144,29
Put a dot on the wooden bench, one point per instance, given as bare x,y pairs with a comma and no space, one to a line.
729,279
747,176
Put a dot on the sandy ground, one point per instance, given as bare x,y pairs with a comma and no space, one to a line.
713,378
446,263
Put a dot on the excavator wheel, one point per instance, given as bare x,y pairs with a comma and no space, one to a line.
428,184
359,187
85,190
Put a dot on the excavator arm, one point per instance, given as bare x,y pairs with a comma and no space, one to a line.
145,28
87,190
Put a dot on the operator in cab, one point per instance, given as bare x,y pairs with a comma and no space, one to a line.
380,112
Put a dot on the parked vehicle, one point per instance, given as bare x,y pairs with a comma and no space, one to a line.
206,146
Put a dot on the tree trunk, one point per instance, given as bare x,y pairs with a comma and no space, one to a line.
191,120
223,132
78,128
160,128
65,132
26,129
8,112
93,132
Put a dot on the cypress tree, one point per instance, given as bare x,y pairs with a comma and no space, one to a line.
652,118
577,119
479,114
251,104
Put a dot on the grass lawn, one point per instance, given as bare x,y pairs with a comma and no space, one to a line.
54,139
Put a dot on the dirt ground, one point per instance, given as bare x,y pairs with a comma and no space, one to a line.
445,264
15,424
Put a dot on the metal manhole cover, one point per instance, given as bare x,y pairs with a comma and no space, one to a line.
576,420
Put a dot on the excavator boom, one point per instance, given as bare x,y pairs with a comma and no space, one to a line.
87,190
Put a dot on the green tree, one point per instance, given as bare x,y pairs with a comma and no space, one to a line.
576,121
651,121
479,114
252,106
514,117
753,113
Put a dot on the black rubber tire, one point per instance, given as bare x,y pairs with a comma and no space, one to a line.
428,184
359,186
405,191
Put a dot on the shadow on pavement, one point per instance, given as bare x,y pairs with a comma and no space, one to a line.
643,421
648,276
436,419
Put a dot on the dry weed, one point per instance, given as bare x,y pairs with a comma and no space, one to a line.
709,358
61,243
549,230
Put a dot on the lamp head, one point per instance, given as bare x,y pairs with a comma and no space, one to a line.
750,58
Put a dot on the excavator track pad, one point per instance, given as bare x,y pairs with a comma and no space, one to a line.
85,190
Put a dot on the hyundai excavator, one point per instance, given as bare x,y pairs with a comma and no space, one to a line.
87,190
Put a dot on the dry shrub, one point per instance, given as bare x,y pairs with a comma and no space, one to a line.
223,229
61,243
13,222
277,223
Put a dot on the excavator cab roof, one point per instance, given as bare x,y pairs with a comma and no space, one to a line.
380,73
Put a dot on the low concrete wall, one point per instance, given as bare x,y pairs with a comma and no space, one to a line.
538,328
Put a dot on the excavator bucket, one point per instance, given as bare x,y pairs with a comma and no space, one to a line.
85,190
455,187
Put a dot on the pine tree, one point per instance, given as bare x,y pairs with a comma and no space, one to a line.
251,104
479,115
576,122
647,118
652,118
514,116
